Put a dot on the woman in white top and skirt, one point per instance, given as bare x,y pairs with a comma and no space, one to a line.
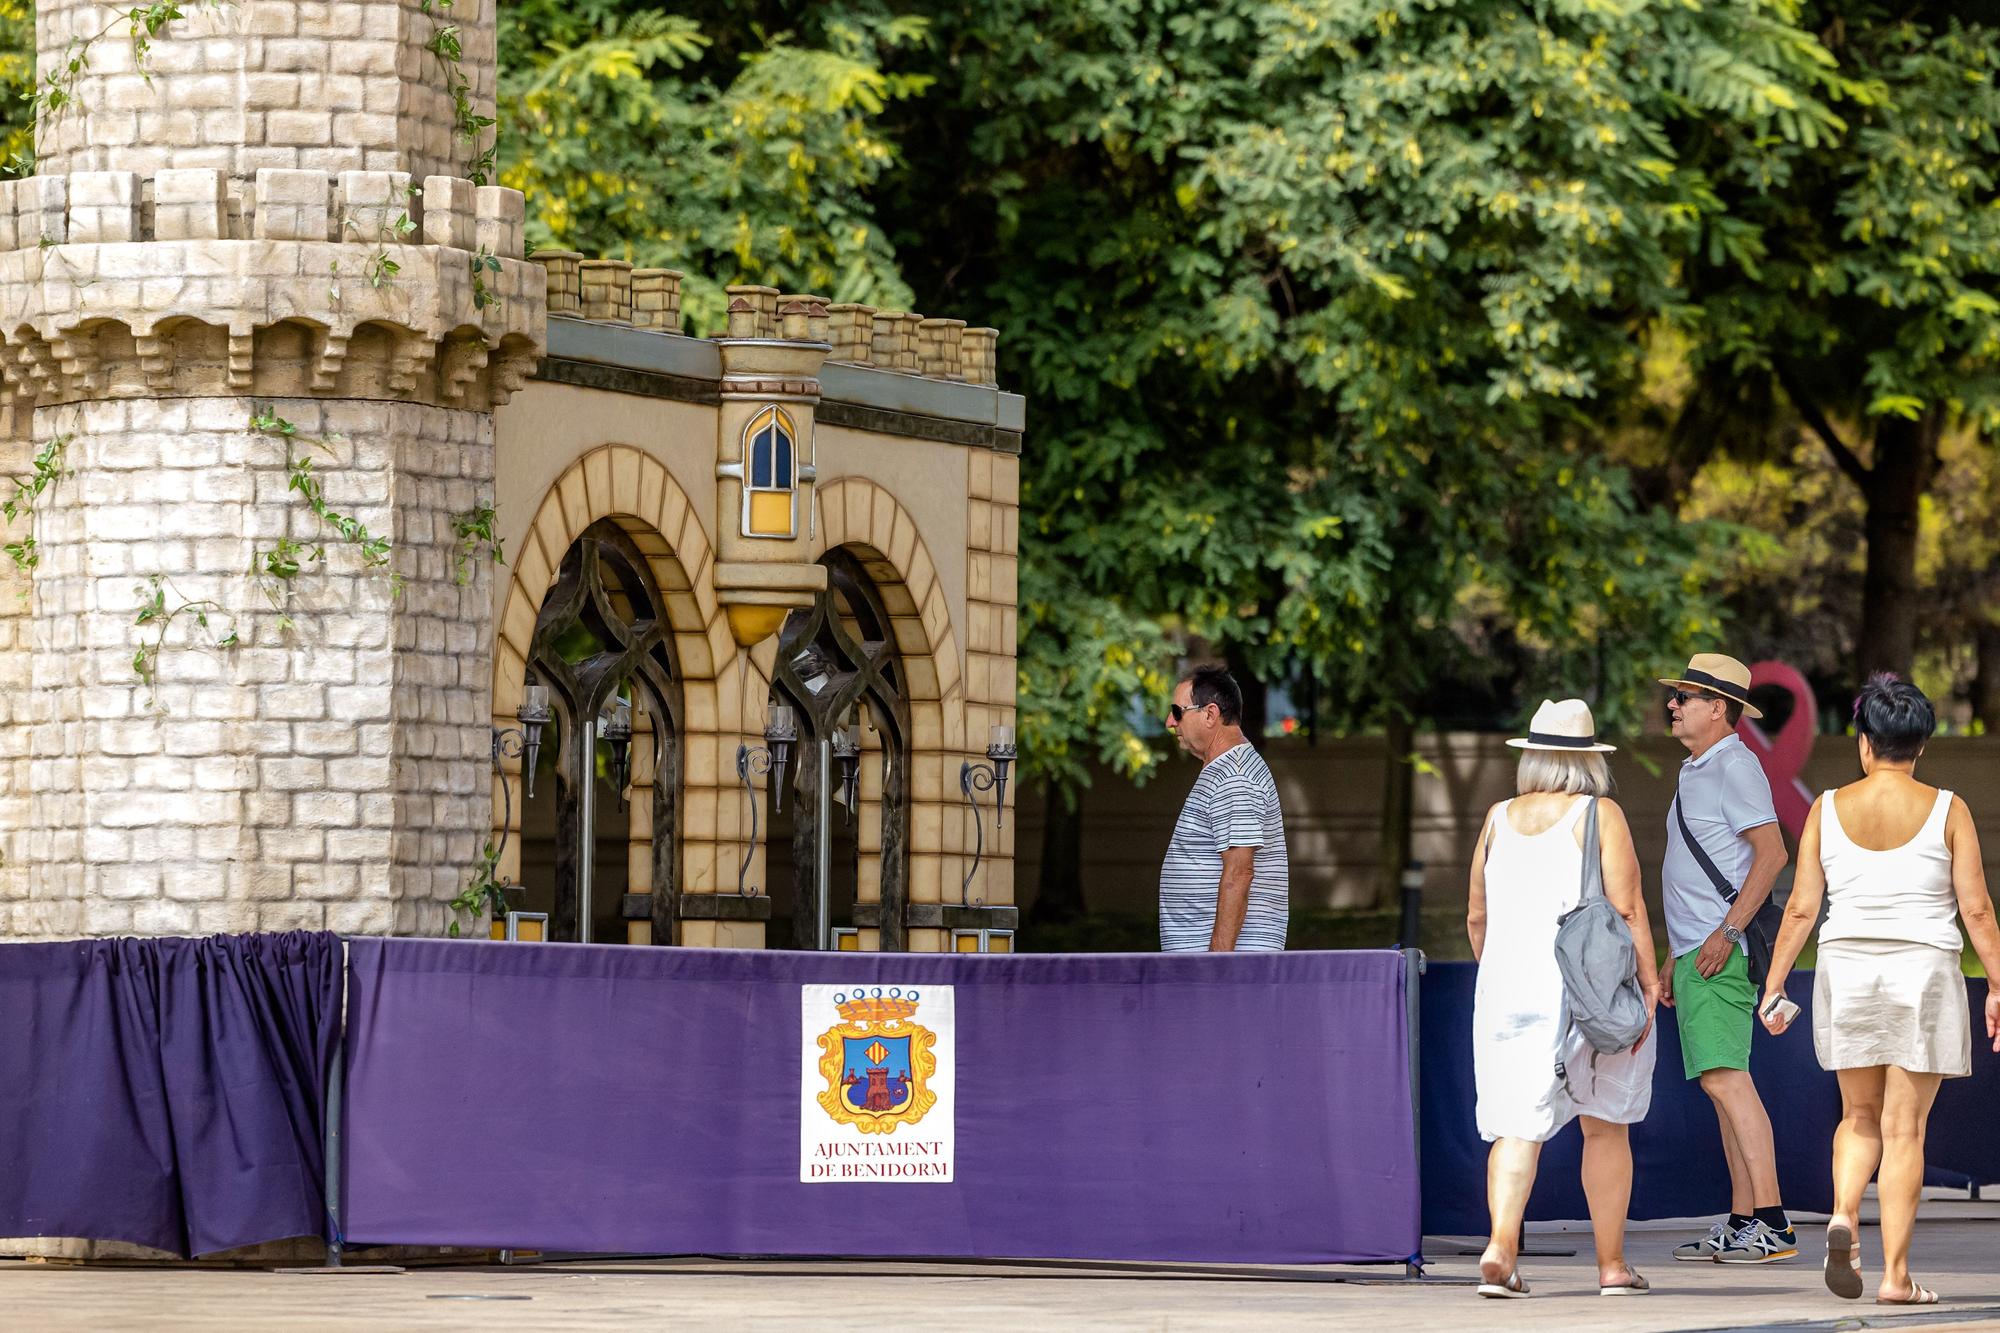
1898,865
1526,873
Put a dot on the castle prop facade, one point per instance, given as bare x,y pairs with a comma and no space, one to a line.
279,391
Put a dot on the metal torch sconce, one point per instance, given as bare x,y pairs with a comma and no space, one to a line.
991,776
847,752
781,732
524,743
615,726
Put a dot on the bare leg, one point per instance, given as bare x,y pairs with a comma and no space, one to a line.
1510,1175
1906,1105
1742,1110
1857,1143
1607,1184
1733,1155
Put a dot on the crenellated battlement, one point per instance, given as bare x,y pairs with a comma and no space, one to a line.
204,204
612,291
308,284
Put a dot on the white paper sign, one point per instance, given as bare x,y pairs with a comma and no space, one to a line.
876,1085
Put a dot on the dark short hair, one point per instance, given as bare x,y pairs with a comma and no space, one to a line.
1214,685
1732,712
1895,716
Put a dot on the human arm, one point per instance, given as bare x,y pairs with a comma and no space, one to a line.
1975,905
1623,886
1767,853
1475,894
1236,823
1801,911
1232,897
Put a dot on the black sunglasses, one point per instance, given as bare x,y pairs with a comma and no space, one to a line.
1682,696
1178,711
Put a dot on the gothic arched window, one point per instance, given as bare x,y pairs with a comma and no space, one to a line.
771,477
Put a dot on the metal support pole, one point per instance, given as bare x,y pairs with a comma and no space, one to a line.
336,1088
1410,934
1413,969
586,860
823,845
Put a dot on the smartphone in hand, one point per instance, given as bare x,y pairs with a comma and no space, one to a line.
1780,1012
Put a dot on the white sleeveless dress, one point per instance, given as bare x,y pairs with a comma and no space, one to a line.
1517,1004
1888,989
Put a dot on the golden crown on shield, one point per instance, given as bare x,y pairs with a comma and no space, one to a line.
876,1007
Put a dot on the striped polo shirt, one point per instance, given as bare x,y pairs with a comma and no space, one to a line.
1234,804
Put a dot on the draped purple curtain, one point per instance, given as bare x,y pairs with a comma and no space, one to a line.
167,1092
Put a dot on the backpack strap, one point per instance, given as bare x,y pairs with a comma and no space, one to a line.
1593,887
1593,869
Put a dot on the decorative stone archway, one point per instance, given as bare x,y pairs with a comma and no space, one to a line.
627,487
867,521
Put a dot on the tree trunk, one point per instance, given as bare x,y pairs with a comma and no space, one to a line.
1986,681
1256,712
1059,888
1904,454
1398,792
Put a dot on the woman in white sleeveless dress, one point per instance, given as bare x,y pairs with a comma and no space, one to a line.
1898,865
1526,872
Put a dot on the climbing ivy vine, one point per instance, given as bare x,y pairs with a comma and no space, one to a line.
279,566
468,126
44,472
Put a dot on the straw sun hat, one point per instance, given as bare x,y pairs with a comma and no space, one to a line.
1562,726
1718,674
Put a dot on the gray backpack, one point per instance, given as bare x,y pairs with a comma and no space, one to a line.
1600,968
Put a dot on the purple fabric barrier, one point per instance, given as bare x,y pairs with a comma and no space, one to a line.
166,1092
1247,1108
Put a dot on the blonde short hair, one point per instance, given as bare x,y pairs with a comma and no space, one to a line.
1580,773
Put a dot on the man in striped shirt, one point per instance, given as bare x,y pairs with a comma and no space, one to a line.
1225,884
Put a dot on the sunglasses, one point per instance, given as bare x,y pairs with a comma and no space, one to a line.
1178,711
1682,696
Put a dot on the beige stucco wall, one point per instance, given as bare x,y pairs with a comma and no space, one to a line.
549,426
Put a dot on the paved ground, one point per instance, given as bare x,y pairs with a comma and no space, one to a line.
1958,1249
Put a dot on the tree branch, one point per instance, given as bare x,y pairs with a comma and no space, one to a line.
1849,461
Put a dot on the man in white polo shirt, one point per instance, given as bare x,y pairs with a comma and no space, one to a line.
1724,852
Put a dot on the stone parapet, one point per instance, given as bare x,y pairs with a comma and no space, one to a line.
116,286
609,291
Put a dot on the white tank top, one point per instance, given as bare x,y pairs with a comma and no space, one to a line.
1903,893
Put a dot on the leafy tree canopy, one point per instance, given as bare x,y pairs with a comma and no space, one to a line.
1320,307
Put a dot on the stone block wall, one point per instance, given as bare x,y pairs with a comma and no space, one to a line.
330,775
322,85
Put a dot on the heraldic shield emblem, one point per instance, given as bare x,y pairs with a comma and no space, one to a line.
876,1060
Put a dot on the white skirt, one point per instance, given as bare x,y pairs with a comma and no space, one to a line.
1889,1002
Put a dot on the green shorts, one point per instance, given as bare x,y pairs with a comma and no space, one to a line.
1714,1014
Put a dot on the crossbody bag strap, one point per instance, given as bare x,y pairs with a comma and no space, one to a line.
1715,876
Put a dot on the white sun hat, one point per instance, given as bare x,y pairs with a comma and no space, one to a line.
1564,725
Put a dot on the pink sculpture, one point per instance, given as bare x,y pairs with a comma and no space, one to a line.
1784,756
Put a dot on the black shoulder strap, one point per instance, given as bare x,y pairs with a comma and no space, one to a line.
1715,876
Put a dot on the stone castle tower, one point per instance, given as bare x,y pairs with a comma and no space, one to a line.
261,248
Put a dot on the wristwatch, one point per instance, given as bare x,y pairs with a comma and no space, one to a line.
1731,933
